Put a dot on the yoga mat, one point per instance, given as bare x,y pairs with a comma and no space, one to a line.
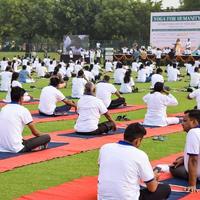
5,155
75,146
72,115
31,102
38,116
76,135
87,189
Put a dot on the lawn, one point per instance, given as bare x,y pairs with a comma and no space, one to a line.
30,178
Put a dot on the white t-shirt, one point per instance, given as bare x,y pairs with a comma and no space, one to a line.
13,118
48,98
121,167
77,68
51,67
158,54
89,108
156,108
195,79
104,92
108,66
196,94
78,86
41,71
127,87
5,80
189,68
95,70
4,64
119,75
156,78
135,66
142,75
88,75
197,63
192,146
172,74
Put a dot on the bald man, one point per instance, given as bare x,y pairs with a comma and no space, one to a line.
90,108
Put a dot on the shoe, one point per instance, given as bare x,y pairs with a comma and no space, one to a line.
155,138
119,118
159,138
125,118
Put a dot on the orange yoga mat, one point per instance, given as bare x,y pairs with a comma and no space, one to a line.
85,188
74,146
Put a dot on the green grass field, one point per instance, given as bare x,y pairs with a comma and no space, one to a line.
30,178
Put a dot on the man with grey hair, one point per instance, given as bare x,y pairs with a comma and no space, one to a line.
90,108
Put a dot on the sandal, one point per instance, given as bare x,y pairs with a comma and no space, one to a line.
125,118
119,118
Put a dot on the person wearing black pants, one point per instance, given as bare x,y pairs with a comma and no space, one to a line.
187,166
89,109
13,118
122,165
115,103
162,192
32,143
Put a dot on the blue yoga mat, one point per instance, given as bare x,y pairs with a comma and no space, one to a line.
177,195
174,194
4,155
177,181
74,134
37,115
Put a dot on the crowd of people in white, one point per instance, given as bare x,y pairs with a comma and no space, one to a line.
19,70
92,86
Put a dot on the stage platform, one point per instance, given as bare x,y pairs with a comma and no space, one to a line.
129,58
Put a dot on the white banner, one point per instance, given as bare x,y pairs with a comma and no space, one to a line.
167,27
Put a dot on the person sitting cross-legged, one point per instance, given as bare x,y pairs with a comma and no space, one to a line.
13,118
122,165
188,166
49,96
104,91
157,102
90,108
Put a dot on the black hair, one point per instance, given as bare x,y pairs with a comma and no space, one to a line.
127,76
141,67
158,87
174,65
106,78
134,131
8,68
24,67
159,70
15,76
119,65
86,67
194,114
56,69
196,69
16,94
54,81
91,67
80,73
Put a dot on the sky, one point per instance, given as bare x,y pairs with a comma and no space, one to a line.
170,3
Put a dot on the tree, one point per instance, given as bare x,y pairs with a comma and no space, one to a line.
190,5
